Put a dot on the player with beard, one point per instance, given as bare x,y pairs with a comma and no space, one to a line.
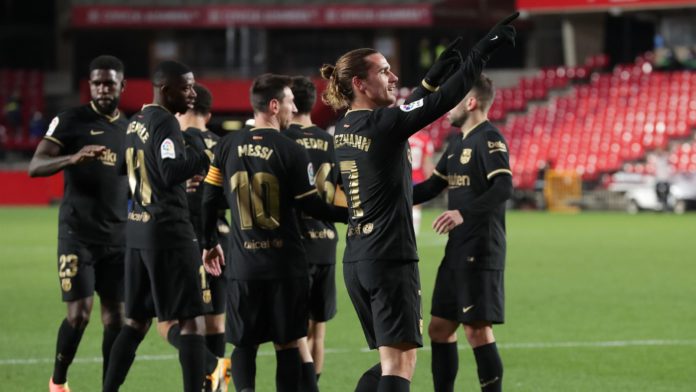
469,288
371,141
164,277
85,143
265,178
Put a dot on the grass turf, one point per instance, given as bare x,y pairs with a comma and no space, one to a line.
595,302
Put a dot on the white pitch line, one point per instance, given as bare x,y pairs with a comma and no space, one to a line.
505,346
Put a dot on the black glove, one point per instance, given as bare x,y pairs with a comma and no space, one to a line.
501,34
445,65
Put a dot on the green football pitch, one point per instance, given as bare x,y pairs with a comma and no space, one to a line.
595,302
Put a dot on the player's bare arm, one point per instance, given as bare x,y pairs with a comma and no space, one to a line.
47,160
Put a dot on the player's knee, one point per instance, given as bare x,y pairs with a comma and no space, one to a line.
193,326
214,324
479,335
402,365
79,319
441,333
140,325
112,315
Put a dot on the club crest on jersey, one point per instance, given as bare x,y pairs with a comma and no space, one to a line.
310,174
465,157
167,149
52,127
412,106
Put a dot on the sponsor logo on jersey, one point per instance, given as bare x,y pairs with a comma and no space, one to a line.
458,180
496,146
412,106
94,132
321,234
108,158
465,157
167,150
52,127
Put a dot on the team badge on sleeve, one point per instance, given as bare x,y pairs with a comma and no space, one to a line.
167,149
310,173
412,106
52,127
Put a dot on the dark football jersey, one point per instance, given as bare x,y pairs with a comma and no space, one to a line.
319,237
95,200
468,165
262,173
372,154
196,198
158,165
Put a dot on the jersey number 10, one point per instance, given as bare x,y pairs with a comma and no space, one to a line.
259,202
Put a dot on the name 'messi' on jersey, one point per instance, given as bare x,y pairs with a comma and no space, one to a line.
254,150
352,140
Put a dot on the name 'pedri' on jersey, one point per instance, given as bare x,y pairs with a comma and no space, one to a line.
93,209
263,173
319,237
158,165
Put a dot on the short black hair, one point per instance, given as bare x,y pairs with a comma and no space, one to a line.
106,61
204,99
305,94
167,71
267,87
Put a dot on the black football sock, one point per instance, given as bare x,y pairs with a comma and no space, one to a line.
318,375
444,366
66,347
369,381
393,384
489,367
174,338
244,368
288,370
192,357
216,344
121,358
111,332
309,378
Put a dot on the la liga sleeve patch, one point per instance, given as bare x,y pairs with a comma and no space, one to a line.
412,106
167,150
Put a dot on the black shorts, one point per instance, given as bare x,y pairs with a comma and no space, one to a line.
169,284
261,311
469,295
322,292
387,297
85,268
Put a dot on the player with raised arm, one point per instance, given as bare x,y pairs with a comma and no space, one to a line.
371,142
85,143
264,177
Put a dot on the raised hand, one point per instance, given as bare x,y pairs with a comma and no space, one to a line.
445,65
501,34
